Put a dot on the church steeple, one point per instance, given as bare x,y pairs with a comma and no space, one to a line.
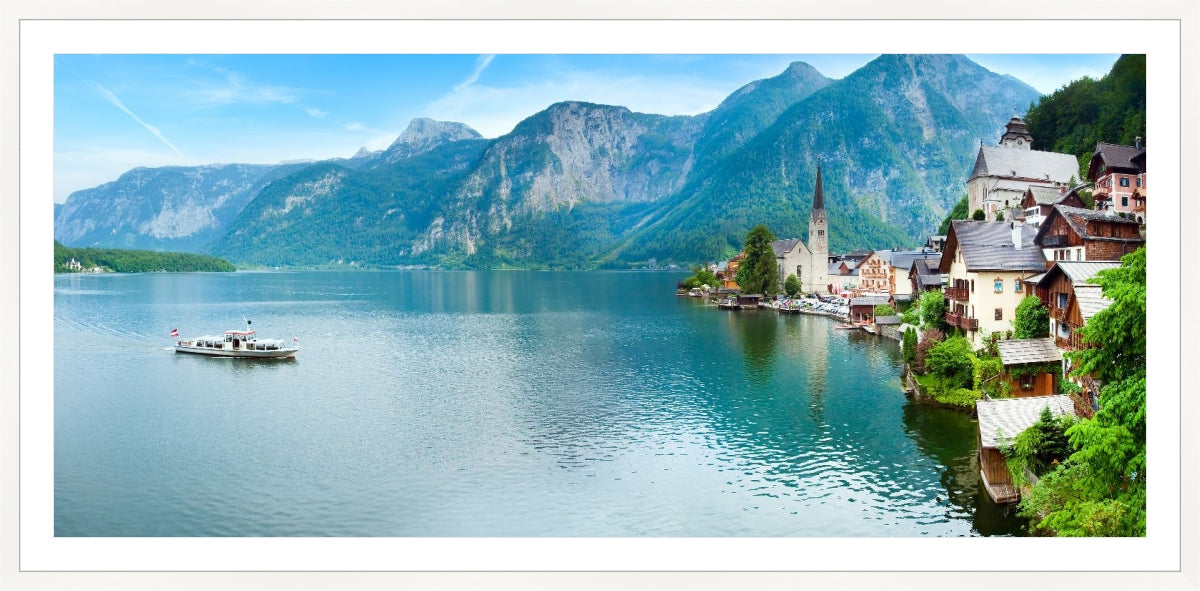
818,196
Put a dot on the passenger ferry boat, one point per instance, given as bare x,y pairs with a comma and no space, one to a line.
236,343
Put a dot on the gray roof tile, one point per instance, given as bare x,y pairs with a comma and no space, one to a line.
1003,161
1000,421
988,246
1022,351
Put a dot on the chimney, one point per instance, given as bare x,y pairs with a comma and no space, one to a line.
1016,235
1137,143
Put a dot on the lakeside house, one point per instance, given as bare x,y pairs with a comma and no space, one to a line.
1003,173
986,264
1000,421
1029,365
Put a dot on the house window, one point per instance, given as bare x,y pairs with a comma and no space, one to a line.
972,286
1139,181
1124,181
999,287
1062,300
999,313
1016,285
1124,201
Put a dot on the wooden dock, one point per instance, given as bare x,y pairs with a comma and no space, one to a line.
1002,493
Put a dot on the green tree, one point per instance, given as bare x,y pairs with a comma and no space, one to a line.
933,310
999,216
1032,320
909,343
1040,447
791,285
951,361
884,310
757,273
1101,489
978,215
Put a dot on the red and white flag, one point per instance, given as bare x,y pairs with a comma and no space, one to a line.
174,332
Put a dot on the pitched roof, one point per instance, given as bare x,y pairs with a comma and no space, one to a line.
928,272
1081,271
869,301
903,259
1091,300
887,320
783,247
1046,195
1000,421
988,246
1022,351
1077,218
1114,156
1002,161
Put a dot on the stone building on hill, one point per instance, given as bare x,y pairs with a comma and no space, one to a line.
1003,173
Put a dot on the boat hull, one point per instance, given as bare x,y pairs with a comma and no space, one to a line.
243,353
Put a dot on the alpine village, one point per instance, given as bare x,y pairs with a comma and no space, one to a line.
1026,308
1030,315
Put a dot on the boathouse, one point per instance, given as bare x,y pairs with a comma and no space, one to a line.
1000,421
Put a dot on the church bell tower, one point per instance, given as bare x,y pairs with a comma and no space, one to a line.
818,242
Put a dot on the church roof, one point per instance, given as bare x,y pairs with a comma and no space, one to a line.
783,247
1001,161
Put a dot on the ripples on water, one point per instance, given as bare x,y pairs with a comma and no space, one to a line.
489,404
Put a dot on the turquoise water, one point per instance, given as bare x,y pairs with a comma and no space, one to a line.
429,403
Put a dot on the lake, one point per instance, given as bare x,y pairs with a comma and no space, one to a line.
489,403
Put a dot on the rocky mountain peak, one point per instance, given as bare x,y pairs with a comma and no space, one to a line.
424,134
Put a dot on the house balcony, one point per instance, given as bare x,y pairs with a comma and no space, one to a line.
1055,240
958,294
1071,343
1059,314
959,321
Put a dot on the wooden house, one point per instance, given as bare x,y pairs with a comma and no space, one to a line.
1000,421
1075,234
1030,364
862,309
986,264
1072,301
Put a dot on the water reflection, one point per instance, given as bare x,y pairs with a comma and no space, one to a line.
949,437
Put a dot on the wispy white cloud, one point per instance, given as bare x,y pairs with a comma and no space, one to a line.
314,112
116,102
354,126
234,88
481,64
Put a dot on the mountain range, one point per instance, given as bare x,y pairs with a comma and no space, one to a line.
581,185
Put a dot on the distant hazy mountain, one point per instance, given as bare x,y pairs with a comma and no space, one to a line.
580,184
171,208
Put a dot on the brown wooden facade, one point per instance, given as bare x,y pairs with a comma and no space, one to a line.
1104,239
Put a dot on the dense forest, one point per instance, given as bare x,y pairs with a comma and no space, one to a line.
1111,109
134,261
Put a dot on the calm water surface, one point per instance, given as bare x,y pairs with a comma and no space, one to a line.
431,403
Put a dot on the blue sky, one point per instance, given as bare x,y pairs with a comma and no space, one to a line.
115,112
